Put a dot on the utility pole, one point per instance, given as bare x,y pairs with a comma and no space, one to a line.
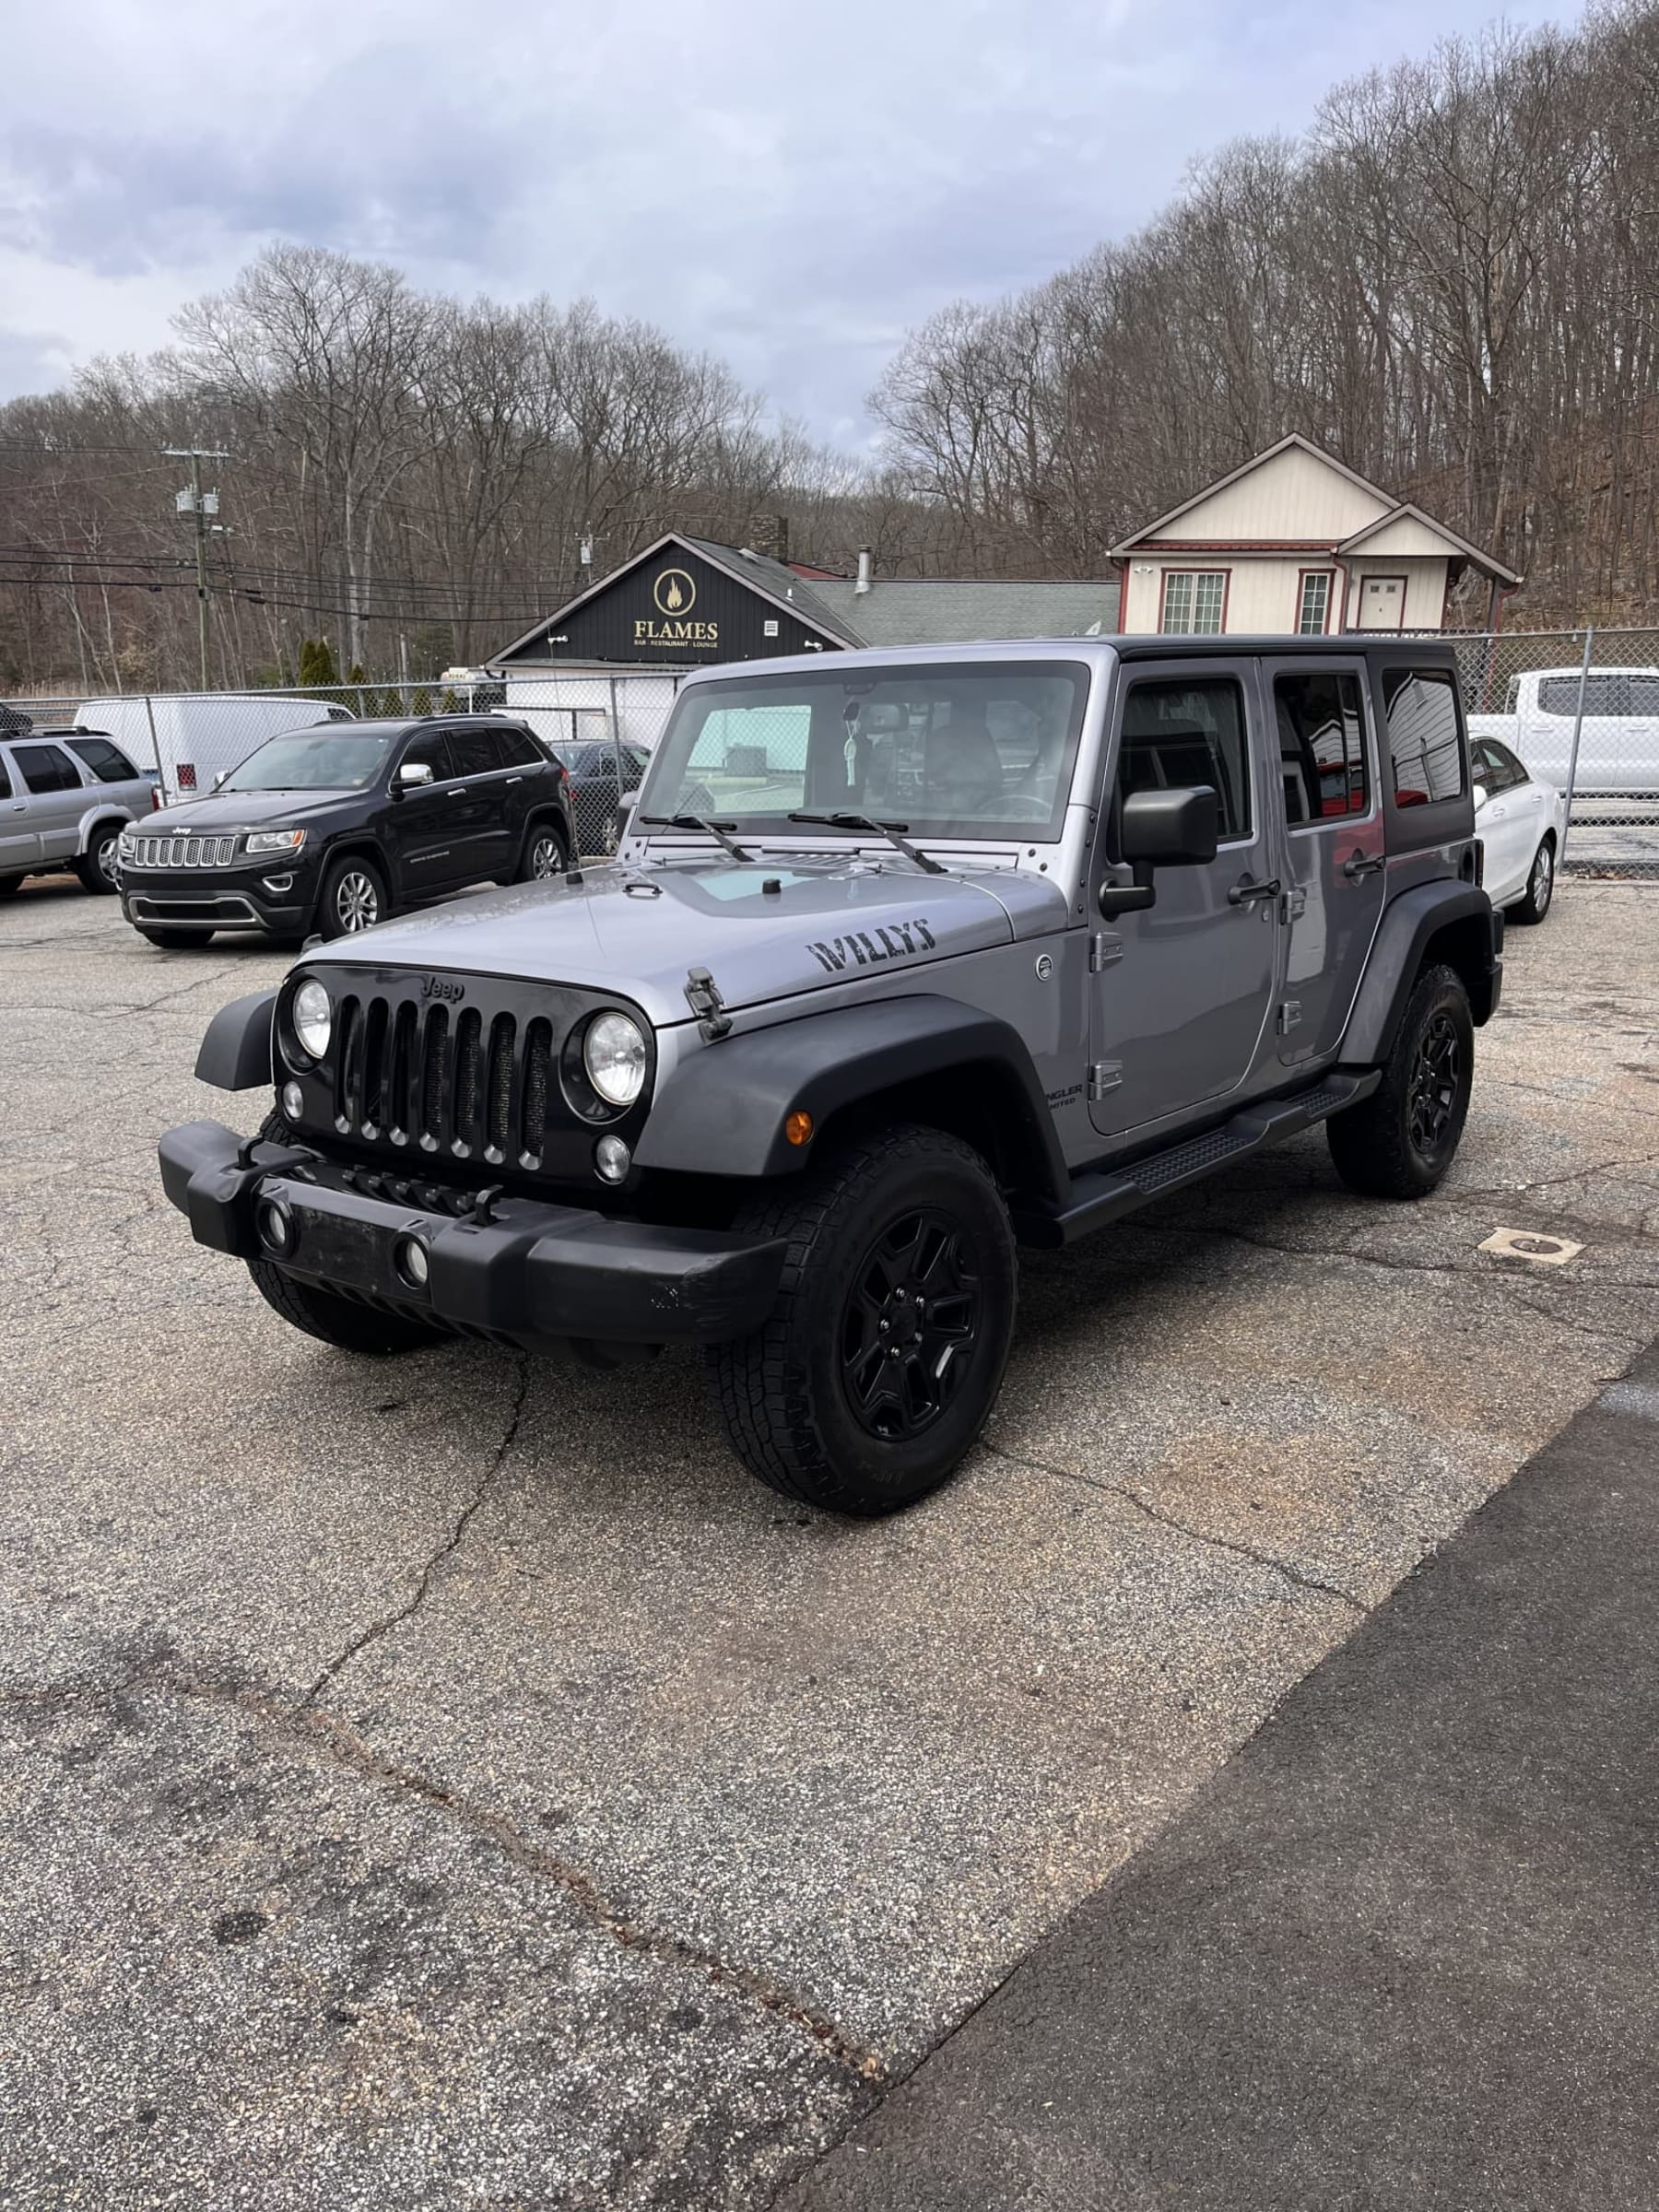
199,505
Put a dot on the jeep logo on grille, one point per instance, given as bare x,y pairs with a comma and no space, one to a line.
441,986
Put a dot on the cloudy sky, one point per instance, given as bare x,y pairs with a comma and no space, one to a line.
791,186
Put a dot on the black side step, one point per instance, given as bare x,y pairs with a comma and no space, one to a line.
1106,1194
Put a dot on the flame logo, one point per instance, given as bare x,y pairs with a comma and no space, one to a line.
674,592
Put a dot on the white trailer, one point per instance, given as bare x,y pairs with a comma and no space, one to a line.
191,737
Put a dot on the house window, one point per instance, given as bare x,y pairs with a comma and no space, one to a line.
1314,604
1193,600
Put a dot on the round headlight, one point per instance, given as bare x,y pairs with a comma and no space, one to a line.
613,1052
312,1019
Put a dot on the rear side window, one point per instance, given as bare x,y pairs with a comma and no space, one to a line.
1322,746
107,762
43,768
1619,694
1422,736
476,752
1182,733
520,750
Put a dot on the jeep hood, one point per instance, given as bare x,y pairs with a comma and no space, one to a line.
638,930
248,810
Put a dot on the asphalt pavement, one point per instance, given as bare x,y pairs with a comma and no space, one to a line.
1402,1952
452,1781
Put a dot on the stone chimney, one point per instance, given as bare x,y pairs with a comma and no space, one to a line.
777,538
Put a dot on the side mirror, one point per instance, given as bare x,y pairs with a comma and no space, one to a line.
625,807
1481,795
410,776
221,777
1161,830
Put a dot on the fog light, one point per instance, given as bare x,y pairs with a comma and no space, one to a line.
276,1225
410,1258
293,1101
612,1160
277,885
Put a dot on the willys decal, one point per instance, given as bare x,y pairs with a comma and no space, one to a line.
865,948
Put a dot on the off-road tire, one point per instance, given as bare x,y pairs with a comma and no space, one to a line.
537,838
1383,1146
325,1315
349,868
788,1414
176,940
1540,885
88,869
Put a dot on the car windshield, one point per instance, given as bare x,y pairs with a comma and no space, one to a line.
960,749
321,759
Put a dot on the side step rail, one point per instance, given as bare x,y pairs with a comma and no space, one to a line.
1106,1194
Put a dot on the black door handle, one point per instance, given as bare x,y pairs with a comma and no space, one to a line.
1356,865
1244,890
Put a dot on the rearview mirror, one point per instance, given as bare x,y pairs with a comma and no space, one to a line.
1161,830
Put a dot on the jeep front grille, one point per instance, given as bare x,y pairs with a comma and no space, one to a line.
181,852
464,1083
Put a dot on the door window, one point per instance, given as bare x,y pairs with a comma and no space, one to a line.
431,749
1422,736
107,762
1322,746
43,768
1182,733
476,752
519,750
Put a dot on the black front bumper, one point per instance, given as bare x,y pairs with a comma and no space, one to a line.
520,1269
236,898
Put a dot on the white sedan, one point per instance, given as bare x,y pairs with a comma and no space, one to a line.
1521,823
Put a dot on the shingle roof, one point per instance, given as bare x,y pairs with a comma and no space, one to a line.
769,575
956,610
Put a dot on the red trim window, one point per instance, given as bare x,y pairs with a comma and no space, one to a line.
1194,603
1313,603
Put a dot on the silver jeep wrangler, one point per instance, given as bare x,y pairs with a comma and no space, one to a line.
905,959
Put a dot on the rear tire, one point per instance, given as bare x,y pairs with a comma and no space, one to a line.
883,1358
545,855
176,940
1540,885
95,865
1400,1141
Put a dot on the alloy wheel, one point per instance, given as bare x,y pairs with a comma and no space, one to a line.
544,856
357,902
106,858
1434,1084
910,1325
1541,887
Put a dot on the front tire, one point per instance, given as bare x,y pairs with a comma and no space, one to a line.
354,897
884,1356
95,867
1540,885
1400,1141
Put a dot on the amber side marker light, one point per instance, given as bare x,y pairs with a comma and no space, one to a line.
797,1126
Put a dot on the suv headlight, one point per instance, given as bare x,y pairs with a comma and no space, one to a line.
274,840
313,1018
613,1053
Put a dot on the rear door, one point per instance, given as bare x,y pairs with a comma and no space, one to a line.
19,846
1183,990
57,798
1333,844
485,802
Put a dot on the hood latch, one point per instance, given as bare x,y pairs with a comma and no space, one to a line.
702,995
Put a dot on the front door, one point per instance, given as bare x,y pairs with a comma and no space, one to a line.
1183,990
1382,603
1333,845
426,844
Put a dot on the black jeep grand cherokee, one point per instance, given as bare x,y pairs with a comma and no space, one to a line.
331,829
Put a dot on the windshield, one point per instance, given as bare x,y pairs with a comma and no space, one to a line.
323,759
960,750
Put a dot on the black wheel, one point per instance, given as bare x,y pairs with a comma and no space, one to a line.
176,940
354,897
545,855
1540,885
324,1313
1400,1141
883,1358
95,867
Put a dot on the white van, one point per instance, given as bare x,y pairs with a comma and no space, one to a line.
190,737
1618,746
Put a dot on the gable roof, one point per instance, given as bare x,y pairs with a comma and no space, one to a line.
768,579
960,611
1392,509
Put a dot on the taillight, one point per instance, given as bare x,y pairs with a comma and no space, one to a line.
155,798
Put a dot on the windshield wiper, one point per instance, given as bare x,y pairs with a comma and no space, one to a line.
891,830
717,830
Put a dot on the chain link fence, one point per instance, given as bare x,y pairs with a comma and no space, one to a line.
601,727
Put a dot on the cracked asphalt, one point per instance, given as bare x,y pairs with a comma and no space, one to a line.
451,1782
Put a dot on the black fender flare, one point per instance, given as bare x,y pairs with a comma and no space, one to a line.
722,1112
1409,924
239,1050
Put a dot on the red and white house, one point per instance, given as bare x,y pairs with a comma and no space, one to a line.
1296,542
